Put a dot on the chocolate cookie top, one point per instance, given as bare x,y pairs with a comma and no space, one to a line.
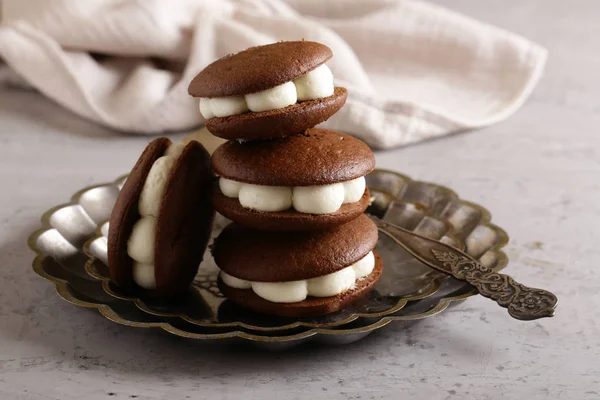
258,68
316,157
184,221
263,256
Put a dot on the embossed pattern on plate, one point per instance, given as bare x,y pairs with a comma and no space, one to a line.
408,289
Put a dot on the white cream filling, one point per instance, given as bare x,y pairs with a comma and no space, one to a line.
143,275
205,108
154,186
354,190
174,151
364,266
140,246
332,284
294,291
316,84
272,99
230,188
281,292
265,198
226,106
324,199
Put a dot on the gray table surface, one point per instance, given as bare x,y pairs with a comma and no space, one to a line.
538,173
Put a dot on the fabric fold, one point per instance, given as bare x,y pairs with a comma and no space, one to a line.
413,70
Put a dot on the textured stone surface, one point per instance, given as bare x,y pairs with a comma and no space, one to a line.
537,173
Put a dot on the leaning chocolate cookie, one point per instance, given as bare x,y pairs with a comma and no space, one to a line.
160,225
309,181
268,91
298,273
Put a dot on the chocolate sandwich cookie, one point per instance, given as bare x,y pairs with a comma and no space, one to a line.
298,273
308,181
268,91
161,222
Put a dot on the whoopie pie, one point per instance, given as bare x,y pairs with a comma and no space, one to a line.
161,223
268,91
299,274
309,181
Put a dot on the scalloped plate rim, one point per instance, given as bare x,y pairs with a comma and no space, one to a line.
107,312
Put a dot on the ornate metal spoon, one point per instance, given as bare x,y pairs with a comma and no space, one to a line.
522,302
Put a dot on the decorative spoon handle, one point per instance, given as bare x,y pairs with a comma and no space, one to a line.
522,302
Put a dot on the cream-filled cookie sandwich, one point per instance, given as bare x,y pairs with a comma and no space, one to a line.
160,225
268,91
298,273
309,181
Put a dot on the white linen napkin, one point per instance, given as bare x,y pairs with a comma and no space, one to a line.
413,70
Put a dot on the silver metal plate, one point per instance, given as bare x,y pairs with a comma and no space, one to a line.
71,252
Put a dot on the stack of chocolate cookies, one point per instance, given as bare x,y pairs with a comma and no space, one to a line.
299,244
